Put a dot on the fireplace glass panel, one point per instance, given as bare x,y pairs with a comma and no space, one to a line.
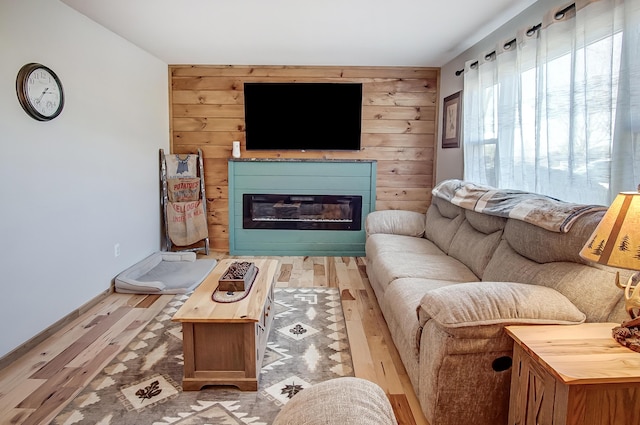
302,212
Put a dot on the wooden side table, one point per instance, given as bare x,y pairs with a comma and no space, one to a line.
573,375
224,343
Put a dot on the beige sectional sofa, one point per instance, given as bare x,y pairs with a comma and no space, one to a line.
448,281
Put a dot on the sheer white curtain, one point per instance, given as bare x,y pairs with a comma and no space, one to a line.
557,111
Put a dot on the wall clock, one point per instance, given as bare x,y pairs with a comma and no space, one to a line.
39,91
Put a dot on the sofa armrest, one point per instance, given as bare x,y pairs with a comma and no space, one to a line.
395,222
496,303
338,401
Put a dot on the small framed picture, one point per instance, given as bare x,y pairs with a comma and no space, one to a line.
451,118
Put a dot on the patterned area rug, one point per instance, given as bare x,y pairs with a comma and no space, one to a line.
307,344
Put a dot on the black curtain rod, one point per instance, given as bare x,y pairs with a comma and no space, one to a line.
559,15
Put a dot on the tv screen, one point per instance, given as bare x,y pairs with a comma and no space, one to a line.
303,116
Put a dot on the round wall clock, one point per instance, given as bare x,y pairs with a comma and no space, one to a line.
39,91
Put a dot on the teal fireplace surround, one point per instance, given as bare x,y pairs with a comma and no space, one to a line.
300,177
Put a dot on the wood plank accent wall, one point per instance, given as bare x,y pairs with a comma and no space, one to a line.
399,127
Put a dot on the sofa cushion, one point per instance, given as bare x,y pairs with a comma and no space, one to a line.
489,303
544,246
476,240
392,266
484,223
591,289
383,244
442,222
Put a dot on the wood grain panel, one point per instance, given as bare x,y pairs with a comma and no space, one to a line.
403,205
372,140
402,182
401,86
208,124
222,111
219,243
405,168
400,99
399,127
220,138
405,194
302,72
207,97
397,112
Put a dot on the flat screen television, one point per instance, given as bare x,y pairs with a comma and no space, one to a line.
303,116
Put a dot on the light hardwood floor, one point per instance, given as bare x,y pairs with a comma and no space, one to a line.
37,385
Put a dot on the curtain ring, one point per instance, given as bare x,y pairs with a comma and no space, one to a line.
474,65
509,44
490,56
533,30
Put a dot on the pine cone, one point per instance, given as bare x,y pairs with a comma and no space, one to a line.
620,332
237,270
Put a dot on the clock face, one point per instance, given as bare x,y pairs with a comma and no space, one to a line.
40,92
43,92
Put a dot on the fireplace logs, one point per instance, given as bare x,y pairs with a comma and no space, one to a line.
283,210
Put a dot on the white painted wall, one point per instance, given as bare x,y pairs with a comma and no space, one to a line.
73,187
450,161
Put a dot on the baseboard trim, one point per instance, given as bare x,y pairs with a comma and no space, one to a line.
29,345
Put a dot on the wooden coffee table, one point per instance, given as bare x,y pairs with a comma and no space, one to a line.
224,343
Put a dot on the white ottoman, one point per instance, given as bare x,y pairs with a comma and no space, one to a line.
339,401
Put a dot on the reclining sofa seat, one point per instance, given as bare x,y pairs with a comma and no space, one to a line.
449,281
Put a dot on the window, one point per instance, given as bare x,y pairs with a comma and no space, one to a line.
548,114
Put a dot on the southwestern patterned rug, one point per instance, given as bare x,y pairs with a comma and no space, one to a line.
307,344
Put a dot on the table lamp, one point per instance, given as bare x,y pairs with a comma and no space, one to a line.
616,242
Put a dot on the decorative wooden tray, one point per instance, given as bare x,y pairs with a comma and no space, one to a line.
238,277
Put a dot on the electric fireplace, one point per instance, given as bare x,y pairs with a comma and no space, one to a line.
302,212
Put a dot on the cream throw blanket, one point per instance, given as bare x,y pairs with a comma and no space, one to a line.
542,211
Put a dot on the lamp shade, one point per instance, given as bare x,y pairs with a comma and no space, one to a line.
616,240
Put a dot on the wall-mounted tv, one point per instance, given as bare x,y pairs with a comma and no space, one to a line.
303,116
